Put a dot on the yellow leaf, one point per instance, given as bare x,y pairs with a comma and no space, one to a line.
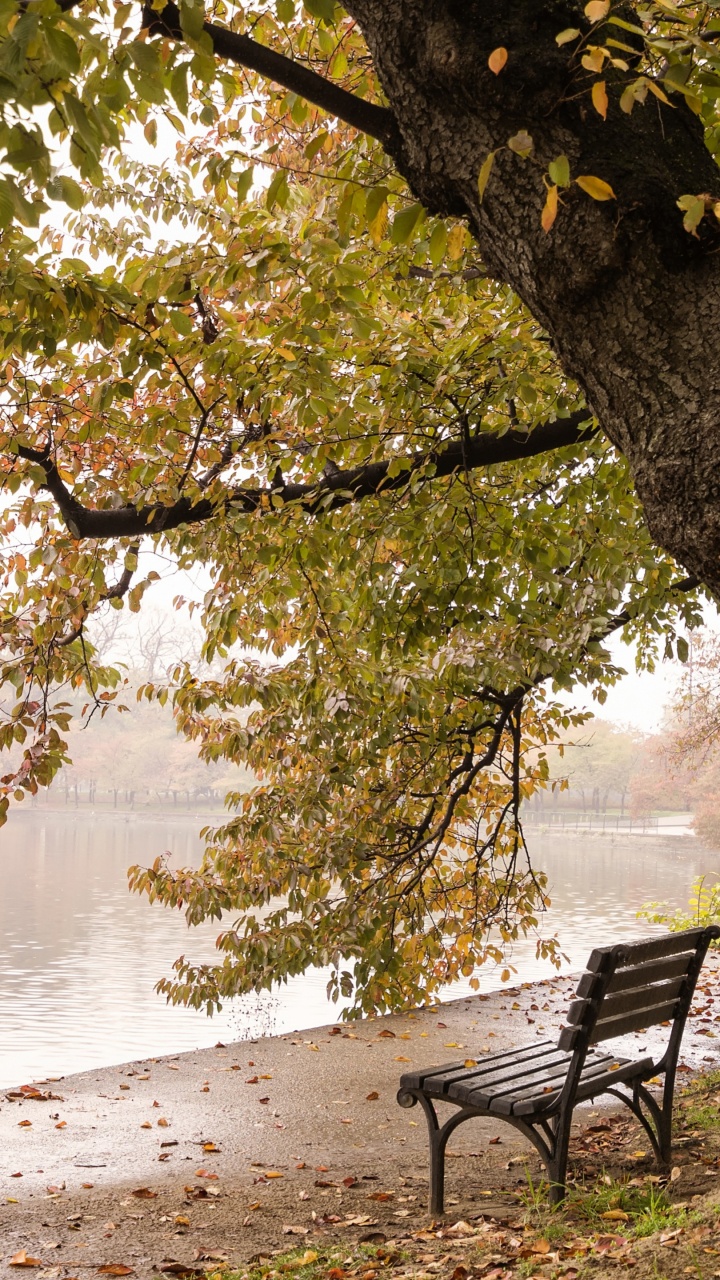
273,1173
484,173
378,224
655,88
550,209
593,61
616,1215
456,242
521,143
497,60
600,98
596,10
595,187
505,975
470,1062
637,1155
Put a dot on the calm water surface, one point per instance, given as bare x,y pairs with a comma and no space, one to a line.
79,955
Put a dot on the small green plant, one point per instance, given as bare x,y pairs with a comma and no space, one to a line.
534,1197
305,1263
704,908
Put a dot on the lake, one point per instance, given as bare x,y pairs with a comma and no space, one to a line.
79,956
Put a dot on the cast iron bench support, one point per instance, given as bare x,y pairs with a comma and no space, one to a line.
627,987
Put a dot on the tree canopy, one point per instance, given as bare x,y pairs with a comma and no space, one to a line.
390,316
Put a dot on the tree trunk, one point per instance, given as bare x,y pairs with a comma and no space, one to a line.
627,296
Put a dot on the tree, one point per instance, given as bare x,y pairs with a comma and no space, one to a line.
409,459
600,763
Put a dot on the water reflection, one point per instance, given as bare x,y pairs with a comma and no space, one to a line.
79,956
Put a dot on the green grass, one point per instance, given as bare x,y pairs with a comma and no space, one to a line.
641,1211
309,1262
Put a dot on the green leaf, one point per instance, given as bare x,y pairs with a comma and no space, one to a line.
63,49
244,182
180,321
484,174
559,171
67,190
179,86
438,244
405,223
278,190
322,9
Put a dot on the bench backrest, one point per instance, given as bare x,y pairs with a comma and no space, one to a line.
630,986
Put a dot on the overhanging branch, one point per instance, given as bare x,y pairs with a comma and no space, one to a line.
378,122
336,489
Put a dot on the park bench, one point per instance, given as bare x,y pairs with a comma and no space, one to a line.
627,987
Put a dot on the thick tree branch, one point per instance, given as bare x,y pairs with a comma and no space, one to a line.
335,489
369,118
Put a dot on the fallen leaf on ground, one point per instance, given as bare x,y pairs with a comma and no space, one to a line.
615,1215
210,1146
115,1269
372,1097
23,1259
204,1173
144,1193
386,1035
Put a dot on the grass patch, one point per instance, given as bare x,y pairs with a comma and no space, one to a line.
634,1211
331,1262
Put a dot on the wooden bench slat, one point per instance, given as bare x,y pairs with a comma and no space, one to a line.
608,1028
637,1021
653,971
647,949
592,1083
626,1001
532,1086
494,1080
536,1100
444,1076
533,1076
416,1079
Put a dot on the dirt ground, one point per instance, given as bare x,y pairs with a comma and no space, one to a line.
229,1153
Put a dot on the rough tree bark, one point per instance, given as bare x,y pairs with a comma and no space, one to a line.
628,297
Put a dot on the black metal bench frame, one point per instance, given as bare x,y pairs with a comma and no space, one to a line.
626,987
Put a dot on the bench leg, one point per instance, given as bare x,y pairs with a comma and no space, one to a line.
557,1164
659,1127
438,1136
